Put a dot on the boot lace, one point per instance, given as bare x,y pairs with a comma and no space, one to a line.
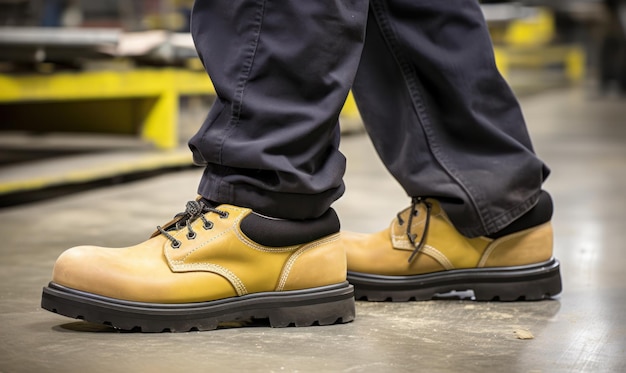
415,201
194,210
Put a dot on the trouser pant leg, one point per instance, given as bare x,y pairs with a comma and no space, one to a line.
441,117
281,70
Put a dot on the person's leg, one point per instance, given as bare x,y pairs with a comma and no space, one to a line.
262,242
450,130
441,117
270,141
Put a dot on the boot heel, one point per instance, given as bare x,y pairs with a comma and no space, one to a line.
534,287
334,311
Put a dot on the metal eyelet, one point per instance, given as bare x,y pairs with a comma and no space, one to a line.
224,215
191,235
208,225
176,244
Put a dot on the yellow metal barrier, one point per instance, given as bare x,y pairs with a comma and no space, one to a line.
143,101
570,57
536,30
527,43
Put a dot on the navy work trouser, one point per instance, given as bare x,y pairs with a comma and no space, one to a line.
441,117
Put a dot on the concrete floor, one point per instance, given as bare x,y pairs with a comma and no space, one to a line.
583,140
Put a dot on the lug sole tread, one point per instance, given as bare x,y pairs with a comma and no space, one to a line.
320,306
524,283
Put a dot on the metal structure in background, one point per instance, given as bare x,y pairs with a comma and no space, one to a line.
63,45
599,26
120,76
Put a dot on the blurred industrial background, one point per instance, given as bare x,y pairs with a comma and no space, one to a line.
98,99
81,78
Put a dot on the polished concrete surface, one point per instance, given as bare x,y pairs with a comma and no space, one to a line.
584,330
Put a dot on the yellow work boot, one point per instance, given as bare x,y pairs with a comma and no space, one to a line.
207,266
421,256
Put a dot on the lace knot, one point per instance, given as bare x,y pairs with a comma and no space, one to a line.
194,208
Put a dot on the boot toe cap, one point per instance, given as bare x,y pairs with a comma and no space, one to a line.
77,268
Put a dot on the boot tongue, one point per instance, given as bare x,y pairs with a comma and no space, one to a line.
193,209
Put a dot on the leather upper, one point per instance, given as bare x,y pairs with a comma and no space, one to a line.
387,252
218,263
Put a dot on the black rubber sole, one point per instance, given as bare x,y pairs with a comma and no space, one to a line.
317,306
533,282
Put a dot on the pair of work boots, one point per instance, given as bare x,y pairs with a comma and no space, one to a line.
219,263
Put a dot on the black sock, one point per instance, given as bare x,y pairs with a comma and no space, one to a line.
273,232
280,232
539,214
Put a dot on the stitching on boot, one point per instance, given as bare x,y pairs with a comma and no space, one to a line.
496,243
428,250
292,259
235,281
438,256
